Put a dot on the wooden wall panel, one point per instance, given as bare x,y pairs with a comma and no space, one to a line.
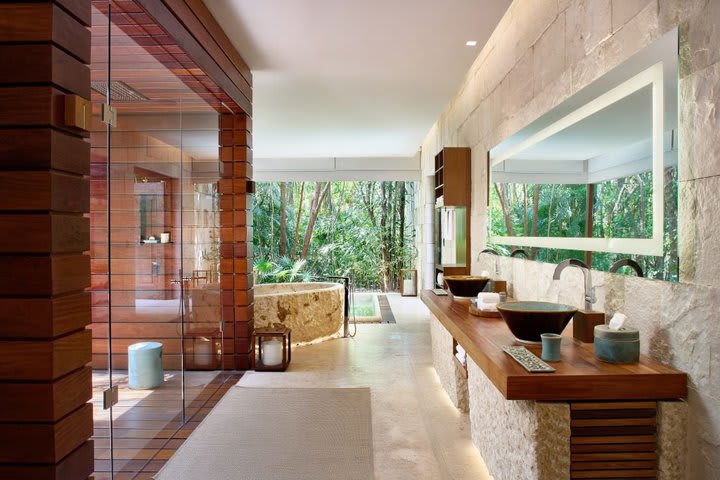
45,402
613,440
78,464
44,317
43,149
235,234
45,420
45,443
47,22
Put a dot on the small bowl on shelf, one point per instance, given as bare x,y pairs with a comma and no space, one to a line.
465,286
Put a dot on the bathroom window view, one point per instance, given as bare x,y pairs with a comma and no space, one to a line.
310,231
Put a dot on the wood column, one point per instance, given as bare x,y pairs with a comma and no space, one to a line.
236,232
45,383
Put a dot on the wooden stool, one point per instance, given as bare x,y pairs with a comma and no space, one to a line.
262,337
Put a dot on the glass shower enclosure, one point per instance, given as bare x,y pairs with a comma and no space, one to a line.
155,243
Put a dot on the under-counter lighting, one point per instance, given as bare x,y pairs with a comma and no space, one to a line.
471,43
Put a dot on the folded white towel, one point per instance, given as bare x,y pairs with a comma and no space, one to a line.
487,307
488,297
461,358
460,349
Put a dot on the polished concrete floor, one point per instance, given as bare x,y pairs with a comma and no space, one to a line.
417,432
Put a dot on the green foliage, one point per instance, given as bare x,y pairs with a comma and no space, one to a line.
282,270
365,230
622,208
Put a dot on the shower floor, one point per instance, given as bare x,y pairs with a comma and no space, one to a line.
147,424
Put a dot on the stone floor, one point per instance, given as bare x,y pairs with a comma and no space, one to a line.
417,432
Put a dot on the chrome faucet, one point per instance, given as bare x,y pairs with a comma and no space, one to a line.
490,251
590,297
627,262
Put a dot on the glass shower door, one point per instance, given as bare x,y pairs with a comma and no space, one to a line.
204,327
155,247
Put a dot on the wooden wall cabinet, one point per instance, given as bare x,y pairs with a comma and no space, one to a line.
452,189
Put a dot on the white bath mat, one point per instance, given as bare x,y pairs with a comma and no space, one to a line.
280,434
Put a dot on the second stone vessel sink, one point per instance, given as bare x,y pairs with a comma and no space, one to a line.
465,285
527,320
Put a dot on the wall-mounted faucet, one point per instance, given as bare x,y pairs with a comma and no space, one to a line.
627,262
589,289
490,251
519,251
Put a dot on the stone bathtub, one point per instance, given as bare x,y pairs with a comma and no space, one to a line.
313,311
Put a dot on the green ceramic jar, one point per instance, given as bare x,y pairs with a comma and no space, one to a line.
617,346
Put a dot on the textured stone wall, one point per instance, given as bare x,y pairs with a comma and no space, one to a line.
313,311
672,436
540,54
451,378
518,440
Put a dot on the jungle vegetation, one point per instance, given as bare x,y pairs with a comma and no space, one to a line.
306,230
621,208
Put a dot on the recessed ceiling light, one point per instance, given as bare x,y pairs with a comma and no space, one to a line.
471,43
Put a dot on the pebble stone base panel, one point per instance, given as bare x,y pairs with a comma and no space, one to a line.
453,380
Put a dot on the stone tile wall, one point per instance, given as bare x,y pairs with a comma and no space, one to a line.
540,54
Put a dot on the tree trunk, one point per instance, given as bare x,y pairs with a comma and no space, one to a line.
536,205
320,194
385,254
550,206
297,223
401,239
272,220
525,210
368,198
283,219
505,209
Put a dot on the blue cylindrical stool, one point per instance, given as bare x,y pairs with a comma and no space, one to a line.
145,368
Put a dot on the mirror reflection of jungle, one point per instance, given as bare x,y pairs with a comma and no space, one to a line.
622,208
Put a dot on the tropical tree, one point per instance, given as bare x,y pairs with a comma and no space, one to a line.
365,230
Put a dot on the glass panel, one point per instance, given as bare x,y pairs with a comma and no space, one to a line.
204,329
102,377
155,246
146,270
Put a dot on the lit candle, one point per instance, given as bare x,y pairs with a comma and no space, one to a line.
272,353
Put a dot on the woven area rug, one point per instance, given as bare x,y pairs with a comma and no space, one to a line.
280,434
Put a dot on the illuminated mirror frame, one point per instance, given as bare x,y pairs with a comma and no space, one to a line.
639,246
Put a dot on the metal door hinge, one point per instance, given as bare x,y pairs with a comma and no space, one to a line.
108,115
110,397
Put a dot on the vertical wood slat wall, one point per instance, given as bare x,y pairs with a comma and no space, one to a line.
236,232
45,383
613,440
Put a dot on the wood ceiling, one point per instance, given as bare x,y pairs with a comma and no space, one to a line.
148,60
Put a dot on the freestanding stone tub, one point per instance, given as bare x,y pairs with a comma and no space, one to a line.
313,310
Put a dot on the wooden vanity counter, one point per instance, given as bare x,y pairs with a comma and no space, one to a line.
579,375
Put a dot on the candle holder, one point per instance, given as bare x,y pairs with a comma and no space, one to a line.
270,348
408,287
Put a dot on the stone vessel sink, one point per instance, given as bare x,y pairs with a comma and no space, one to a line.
465,285
527,320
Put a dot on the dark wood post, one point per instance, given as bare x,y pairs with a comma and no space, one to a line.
45,383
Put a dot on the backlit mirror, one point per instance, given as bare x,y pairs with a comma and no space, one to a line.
596,177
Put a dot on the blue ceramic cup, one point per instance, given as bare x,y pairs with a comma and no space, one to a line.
550,347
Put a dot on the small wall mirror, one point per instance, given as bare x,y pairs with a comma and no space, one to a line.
596,177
